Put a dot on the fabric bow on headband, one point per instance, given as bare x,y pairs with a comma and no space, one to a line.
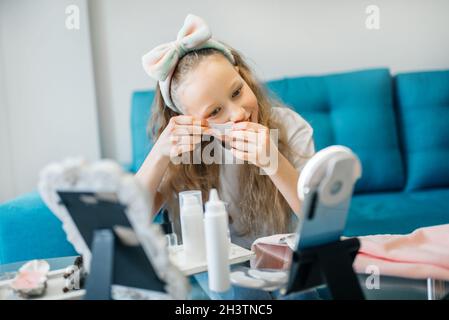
160,63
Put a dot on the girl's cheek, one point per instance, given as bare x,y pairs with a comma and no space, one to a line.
254,109
254,116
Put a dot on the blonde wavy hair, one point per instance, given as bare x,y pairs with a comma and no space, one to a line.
263,208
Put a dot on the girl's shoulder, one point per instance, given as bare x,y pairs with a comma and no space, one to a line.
298,132
291,121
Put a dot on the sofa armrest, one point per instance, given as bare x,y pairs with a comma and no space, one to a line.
29,230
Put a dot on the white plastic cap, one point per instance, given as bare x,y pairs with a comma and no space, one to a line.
214,204
190,197
213,195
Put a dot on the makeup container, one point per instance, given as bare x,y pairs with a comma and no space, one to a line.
167,227
192,225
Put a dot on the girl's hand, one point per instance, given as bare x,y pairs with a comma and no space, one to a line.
182,134
251,142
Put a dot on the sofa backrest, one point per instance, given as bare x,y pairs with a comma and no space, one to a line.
354,109
423,114
141,144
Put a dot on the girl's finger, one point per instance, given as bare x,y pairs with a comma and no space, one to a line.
244,146
241,135
188,129
218,135
174,139
243,155
213,132
249,126
181,140
186,120
183,119
180,149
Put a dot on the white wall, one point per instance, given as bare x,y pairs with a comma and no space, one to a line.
47,100
47,96
6,179
280,38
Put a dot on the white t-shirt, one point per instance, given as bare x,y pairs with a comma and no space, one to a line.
300,139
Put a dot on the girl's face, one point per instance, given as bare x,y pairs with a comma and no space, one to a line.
216,92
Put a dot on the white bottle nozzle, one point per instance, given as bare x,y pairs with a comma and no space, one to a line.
213,195
214,204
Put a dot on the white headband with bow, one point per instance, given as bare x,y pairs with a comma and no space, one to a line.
160,63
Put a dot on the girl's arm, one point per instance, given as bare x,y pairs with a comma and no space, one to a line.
150,176
181,135
286,180
249,142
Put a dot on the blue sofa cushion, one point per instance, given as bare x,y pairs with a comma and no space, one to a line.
354,109
397,213
423,105
29,230
140,113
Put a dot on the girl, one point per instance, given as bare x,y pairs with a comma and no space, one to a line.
202,82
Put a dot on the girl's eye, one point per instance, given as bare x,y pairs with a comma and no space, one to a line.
236,93
215,112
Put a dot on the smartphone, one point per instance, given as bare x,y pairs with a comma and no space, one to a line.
320,223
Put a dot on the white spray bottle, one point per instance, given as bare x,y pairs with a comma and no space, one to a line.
217,243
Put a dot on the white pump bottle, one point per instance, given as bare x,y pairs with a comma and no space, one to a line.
192,228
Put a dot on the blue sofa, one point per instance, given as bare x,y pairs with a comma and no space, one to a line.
398,125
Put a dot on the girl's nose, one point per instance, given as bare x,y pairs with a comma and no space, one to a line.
238,114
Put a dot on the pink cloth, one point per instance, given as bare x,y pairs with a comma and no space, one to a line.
421,254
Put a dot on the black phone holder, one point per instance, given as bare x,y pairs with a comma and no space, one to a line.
113,261
99,282
329,264
321,257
